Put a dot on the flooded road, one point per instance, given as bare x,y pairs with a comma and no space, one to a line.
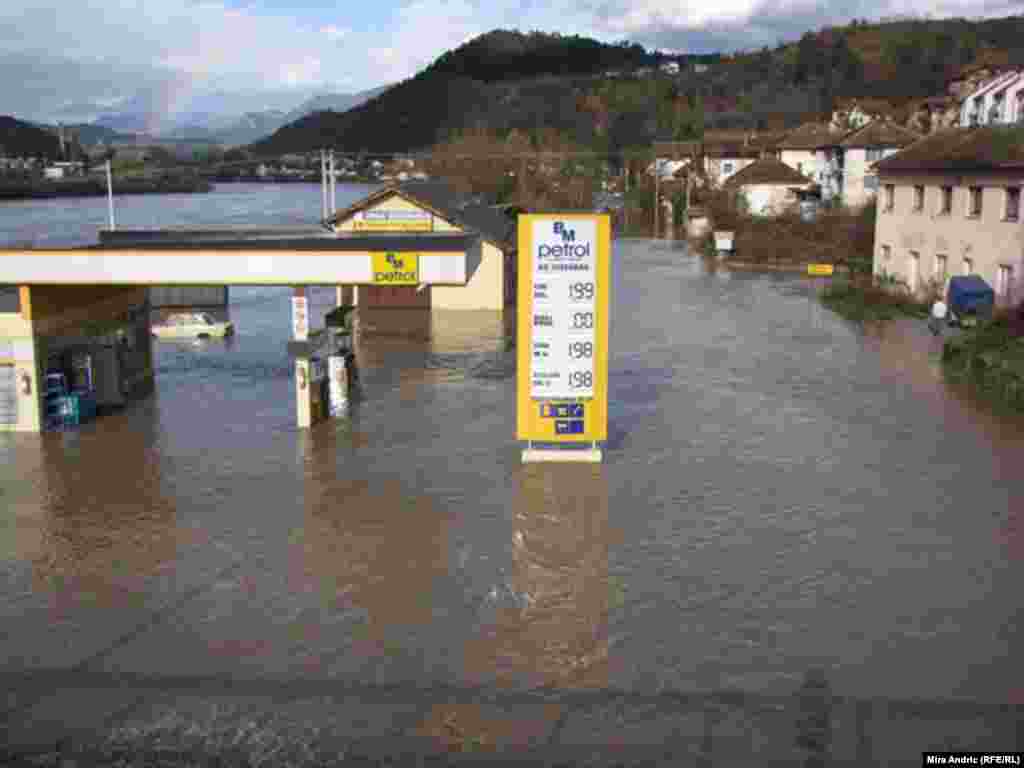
781,492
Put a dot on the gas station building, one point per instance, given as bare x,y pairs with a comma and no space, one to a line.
415,244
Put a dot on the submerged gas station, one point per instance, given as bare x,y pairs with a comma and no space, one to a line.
412,245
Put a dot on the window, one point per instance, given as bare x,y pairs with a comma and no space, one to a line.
871,182
874,155
974,202
968,266
940,267
726,167
918,199
1012,203
1004,281
890,197
946,200
915,270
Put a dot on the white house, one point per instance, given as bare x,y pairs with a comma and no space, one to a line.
865,147
813,149
770,186
998,100
670,67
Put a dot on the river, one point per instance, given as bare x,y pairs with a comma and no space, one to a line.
781,491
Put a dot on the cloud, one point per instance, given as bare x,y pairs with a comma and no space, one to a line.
178,51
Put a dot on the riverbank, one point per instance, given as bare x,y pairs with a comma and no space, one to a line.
97,188
867,300
992,357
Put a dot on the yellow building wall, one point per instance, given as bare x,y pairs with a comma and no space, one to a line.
988,241
18,348
485,290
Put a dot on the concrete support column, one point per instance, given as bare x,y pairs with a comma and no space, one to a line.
303,382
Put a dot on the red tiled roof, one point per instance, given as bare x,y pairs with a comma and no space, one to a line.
880,133
812,136
962,149
767,170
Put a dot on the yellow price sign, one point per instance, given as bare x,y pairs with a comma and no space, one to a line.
820,270
395,268
562,344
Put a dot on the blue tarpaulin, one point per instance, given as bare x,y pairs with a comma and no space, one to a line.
970,293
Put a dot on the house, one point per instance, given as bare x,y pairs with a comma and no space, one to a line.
670,67
770,186
865,147
723,153
998,100
433,206
813,150
951,204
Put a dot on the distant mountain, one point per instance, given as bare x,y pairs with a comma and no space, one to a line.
127,122
89,134
254,126
22,139
251,127
333,102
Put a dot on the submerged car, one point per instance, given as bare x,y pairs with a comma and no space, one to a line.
192,325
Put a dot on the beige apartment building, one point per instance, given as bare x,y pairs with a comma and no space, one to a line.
863,148
950,204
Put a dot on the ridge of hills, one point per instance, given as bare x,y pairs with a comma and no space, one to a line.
537,84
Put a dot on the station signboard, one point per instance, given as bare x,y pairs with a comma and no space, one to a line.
562,328
394,268
393,220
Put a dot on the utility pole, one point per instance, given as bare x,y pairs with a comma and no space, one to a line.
323,183
657,189
522,179
334,199
625,197
686,198
110,195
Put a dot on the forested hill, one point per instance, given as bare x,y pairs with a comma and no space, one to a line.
613,96
496,73
21,139
505,55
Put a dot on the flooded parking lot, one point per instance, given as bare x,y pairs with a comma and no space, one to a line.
781,492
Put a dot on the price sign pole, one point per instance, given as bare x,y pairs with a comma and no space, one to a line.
562,335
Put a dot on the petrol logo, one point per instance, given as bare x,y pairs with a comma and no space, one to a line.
395,268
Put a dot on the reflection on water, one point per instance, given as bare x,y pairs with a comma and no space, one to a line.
549,624
781,491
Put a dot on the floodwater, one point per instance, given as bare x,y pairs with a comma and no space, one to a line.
781,492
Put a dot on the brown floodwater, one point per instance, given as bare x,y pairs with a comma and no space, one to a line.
781,492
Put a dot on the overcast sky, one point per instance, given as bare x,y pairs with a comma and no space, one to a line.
174,55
